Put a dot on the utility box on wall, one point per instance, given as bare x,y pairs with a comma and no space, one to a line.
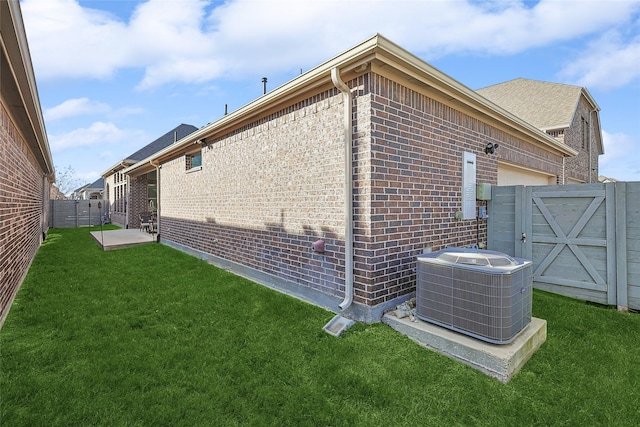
468,185
483,191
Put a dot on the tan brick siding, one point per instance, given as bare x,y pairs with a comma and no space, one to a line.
268,190
22,204
265,193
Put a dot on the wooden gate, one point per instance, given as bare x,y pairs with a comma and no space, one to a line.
576,236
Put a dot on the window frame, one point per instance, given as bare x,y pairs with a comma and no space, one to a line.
189,161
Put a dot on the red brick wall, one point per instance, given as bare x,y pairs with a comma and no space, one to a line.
21,210
416,147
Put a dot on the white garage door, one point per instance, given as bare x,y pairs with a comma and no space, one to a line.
513,175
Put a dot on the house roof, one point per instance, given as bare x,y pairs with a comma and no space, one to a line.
376,54
544,105
97,184
164,141
547,106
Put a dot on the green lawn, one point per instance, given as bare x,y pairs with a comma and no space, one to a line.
149,336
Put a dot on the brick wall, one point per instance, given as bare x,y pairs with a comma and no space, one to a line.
415,151
582,139
269,189
22,223
264,193
137,200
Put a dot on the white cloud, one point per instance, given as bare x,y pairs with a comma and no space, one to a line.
195,41
68,40
126,111
75,107
88,177
620,159
99,133
608,63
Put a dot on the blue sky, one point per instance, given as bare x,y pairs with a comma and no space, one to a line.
115,75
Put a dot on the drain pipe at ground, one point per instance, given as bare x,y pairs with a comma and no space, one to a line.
348,181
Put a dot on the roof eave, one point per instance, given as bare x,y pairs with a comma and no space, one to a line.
376,47
16,47
122,164
315,77
466,95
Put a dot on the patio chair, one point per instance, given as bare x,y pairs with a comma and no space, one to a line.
153,221
145,221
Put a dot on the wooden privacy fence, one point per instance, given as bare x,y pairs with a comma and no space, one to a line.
584,240
75,213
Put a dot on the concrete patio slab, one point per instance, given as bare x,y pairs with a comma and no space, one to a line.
498,361
124,238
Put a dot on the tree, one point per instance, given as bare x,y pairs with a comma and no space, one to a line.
66,180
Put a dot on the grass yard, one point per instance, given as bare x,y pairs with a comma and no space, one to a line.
149,336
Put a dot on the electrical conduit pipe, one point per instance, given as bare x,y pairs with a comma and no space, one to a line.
348,190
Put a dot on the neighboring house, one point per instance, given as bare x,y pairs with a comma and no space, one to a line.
91,191
56,194
603,178
26,166
116,187
568,113
367,152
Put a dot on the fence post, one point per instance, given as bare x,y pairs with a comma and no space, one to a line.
622,300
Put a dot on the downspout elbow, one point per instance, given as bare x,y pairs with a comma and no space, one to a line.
348,178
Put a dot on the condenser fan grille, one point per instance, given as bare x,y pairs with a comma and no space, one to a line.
488,298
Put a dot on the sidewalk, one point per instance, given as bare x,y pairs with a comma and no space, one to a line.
118,239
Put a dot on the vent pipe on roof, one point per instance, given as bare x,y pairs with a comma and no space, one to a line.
348,188
264,85
175,136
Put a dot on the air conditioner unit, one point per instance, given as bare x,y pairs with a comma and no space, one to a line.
483,294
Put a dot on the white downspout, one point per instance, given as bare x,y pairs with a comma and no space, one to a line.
348,190
591,148
127,201
157,166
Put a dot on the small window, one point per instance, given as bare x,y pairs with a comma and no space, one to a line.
196,160
193,161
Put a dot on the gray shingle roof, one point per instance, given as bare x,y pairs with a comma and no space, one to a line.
541,104
164,141
98,183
